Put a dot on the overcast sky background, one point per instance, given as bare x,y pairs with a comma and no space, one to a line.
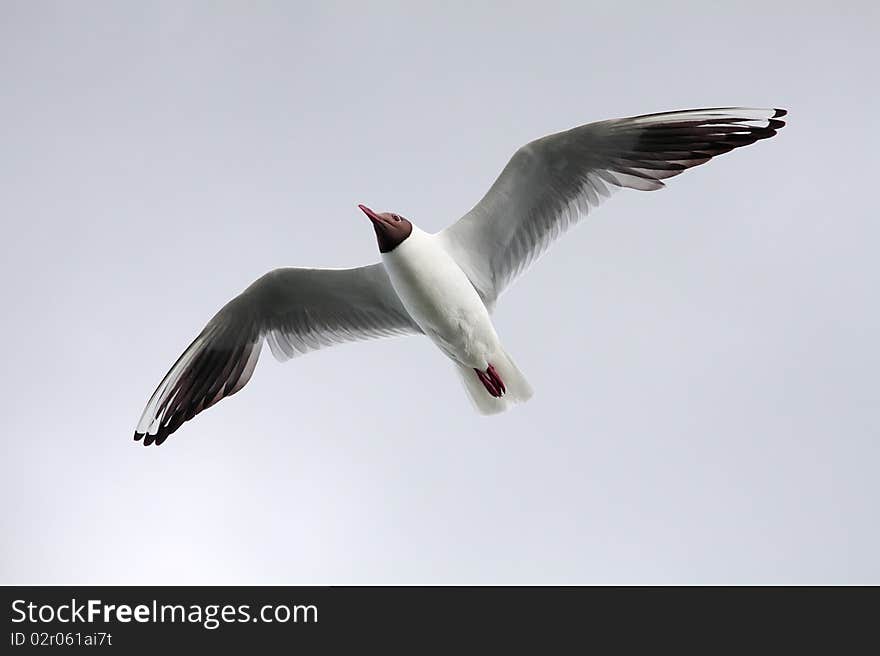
704,358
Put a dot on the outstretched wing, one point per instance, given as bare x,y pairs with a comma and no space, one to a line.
296,311
551,182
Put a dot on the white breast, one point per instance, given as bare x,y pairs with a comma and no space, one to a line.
441,299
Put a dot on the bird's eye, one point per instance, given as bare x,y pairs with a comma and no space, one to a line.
396,218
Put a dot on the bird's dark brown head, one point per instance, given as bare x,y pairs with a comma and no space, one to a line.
391,229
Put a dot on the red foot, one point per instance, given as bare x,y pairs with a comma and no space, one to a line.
492,381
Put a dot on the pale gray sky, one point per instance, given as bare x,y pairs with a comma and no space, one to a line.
704,358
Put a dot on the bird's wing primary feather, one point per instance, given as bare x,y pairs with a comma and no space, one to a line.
550,183
296,311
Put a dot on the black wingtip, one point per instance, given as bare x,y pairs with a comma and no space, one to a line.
157,438
780,112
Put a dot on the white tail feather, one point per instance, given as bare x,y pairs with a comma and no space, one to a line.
518,388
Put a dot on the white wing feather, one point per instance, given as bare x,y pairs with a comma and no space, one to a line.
296,310
550,183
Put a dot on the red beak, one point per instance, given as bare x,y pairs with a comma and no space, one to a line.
370,213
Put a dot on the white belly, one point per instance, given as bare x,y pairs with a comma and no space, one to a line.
441,300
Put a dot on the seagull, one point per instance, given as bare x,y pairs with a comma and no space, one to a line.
445,285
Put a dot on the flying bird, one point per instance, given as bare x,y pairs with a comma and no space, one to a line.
445,285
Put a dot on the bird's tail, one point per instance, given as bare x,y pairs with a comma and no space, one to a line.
499,388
